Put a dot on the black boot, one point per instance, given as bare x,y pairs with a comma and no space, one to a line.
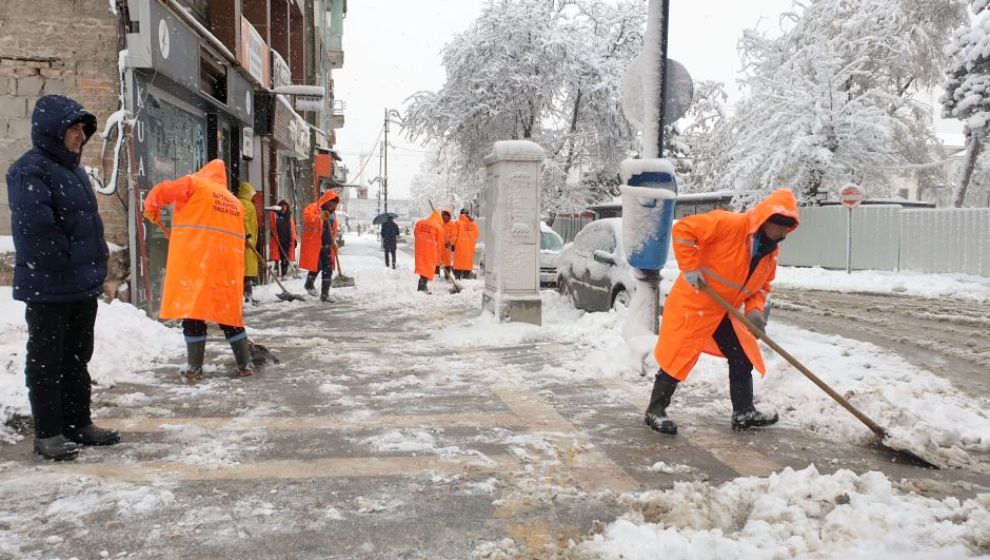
310,284
93,435
656,414
56,448
193,370
242,354
422,285
325,291
744,414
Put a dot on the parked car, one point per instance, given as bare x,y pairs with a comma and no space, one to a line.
551,244
593,269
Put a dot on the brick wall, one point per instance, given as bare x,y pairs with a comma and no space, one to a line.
67,47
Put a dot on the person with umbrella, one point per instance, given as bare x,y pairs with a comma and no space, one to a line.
390,236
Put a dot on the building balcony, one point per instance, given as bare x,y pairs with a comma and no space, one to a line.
336,117
335,50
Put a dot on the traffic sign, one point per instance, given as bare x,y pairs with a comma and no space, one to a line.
851,195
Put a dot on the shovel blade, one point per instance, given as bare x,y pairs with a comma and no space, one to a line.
342,282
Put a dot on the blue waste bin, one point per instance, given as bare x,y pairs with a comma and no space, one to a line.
648,204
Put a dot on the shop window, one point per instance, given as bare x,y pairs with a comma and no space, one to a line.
212,76
199,9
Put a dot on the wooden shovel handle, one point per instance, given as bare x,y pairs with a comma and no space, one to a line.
873,426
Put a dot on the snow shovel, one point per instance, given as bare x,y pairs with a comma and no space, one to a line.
886,441
341,281
286,295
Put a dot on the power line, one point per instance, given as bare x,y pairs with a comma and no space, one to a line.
375,145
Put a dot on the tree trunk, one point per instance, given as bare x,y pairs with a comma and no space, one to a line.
974,146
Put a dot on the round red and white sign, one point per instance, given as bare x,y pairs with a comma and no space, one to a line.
851,195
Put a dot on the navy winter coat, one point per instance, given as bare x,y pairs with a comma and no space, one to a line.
58,233
390,233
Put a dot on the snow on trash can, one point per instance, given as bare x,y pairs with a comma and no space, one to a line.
648,199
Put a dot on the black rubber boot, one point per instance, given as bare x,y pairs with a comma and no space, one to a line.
310,284
93,435
56,448
242,354
656,414
325,291
744,414
422,285
193,370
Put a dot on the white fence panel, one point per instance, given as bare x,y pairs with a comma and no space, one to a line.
951,240
821,239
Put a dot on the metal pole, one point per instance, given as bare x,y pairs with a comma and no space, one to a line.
849,241
385,147
663,75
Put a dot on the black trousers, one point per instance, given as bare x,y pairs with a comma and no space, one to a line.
387,253
59,347
194,330
326,269
740,368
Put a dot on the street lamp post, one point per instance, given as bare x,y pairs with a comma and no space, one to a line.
389,114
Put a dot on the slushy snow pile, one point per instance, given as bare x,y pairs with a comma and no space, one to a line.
794,514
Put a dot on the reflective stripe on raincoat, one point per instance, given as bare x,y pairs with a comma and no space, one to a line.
720,245
204,274
467,238
312,238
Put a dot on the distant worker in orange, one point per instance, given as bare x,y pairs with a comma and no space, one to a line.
467,238
319,243
204,273
429,237
736,255
449,238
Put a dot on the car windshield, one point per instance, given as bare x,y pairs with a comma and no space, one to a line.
550,242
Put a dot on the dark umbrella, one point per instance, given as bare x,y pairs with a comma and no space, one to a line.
380,219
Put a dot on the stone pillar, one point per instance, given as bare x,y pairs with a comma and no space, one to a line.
511,208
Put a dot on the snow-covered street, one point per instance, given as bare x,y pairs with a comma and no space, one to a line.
404,425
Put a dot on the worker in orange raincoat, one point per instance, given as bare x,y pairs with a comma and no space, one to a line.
449,238
429,237
467,238
319,243
204,273
735,254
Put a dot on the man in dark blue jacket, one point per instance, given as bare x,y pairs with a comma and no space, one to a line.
390,236
60,267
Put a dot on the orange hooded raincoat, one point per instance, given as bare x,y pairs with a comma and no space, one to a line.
449,239
719,244
429,237
467,238
312,238
204,273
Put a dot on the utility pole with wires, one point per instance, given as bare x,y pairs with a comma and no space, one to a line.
389,115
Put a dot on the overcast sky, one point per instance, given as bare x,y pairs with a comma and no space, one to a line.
392,50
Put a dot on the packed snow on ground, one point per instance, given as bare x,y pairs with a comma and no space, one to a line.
959,286
793,514
127,343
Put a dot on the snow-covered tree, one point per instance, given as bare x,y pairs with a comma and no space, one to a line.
967,97
692,143
549,71
830,100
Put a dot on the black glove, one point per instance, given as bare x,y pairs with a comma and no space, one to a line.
756,317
